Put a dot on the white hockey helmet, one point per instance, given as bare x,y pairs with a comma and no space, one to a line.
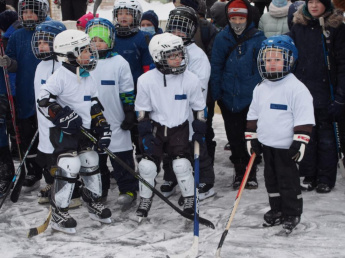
39,7
69,45
135,9
162,46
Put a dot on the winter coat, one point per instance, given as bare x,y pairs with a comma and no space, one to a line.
311,67
205,35
292,9
275,21
234,78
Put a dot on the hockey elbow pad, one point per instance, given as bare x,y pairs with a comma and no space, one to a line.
297,148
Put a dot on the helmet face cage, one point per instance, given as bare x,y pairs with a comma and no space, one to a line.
135,11
275,62
39,7
182,23
37,44
176,52
102,29
86,56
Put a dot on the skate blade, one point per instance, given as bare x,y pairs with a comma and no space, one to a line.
75,203
168,194
208,194
43,200
69,231
95,217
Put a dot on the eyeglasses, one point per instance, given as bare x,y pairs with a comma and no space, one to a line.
173,56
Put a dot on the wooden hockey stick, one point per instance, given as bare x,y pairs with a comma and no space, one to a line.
234,207
40,229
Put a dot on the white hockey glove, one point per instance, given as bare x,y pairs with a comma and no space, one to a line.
252,142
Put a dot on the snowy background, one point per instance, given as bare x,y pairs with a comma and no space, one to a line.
321,232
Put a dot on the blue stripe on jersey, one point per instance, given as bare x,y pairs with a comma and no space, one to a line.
107,82
278,106
43,81
180,97
87,98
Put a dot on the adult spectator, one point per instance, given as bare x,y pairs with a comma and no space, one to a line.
73,9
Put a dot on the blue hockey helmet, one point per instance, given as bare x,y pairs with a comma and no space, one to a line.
278,54
45,32
104,29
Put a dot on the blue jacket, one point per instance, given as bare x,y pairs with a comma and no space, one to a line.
136,52
19,48
234,79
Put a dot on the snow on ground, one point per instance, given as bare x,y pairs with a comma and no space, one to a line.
321,232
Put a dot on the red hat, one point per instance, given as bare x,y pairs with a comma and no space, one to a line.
237,8
85,18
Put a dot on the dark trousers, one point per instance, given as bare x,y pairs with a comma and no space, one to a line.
282,182
27,129
211,144
125,180
261,6
320,158
73,9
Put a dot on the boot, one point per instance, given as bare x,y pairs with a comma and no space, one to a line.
240,169
252,182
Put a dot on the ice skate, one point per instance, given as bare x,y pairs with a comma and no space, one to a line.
189,204
4,184
96,209
127,198
237,182
252,183
44,194
273,218
31,183
144,208
290,223
62,221
168,188
206,191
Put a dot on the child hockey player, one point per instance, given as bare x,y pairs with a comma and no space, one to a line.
280,117
42,47
21,60
69,100
116,93
165,96
183,22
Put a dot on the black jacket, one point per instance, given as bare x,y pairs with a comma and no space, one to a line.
311,67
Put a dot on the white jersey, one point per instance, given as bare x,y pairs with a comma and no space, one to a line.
279,107
72,92
43,71
169,105
113,76
198,64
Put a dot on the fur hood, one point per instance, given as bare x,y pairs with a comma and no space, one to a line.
332,19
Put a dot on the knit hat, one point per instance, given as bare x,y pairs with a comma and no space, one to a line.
191,3
2,6
85,18
326,3
279,3
237,8
101,32
151,16
7,18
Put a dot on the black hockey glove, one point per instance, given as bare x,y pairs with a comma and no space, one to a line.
199,129
3,108
297,148
130,117
67,120
147,138
104,136
252,142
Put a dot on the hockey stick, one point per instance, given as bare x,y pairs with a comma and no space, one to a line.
18,186
141,179
234,207
95,7
193,251
325,35
40,229
16,194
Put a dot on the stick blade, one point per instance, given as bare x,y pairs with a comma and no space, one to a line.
40,229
